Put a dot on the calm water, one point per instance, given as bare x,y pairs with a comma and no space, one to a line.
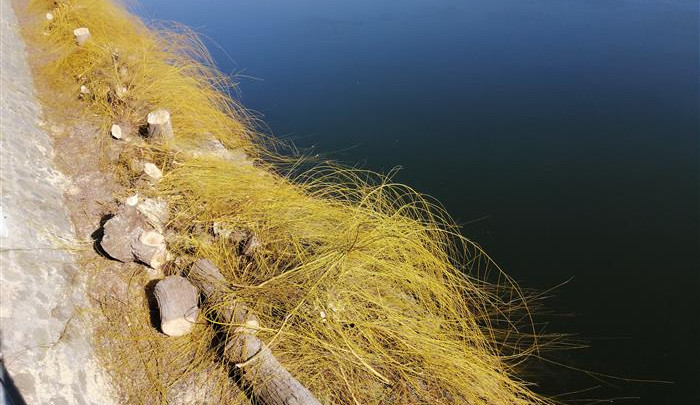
562,134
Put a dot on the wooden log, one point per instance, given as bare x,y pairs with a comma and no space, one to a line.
177,301
82,35
159,125
261,372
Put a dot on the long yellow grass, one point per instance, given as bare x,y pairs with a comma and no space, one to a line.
366,290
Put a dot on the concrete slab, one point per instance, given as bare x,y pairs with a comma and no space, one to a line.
45,350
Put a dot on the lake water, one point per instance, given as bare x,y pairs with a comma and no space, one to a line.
562,135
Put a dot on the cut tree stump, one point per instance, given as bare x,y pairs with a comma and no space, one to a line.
268,380
121,231
82,35
150,249
128,236
177,301
159,125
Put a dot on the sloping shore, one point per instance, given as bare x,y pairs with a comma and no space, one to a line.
364,290
45,352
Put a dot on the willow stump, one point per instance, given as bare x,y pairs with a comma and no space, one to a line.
159,125
177,301
82,35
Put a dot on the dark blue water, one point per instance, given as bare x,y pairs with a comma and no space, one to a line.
562,134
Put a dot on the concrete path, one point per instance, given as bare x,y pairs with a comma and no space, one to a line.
45,352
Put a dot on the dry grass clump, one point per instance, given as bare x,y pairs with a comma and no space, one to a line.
365,289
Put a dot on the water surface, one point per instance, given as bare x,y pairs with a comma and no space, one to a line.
562,135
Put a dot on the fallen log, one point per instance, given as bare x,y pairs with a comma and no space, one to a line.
261,372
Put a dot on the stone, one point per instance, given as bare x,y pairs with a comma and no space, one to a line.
132,201
224,231
213,147
116,131
121,91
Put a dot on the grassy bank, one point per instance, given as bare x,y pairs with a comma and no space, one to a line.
366,290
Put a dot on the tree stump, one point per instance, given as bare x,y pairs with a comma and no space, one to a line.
82,35
128,236
152,171
177,301
159,125
121,232
150,249
268,380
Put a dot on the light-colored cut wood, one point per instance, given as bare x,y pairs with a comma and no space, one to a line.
82,35
177,301
152,171
251,245
159,125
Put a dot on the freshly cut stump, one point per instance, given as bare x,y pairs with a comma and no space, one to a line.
177,300
82,35
159,125
268,380
121,232
150,249
152,171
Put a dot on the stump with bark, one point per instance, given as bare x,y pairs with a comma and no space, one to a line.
159,125
178,304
